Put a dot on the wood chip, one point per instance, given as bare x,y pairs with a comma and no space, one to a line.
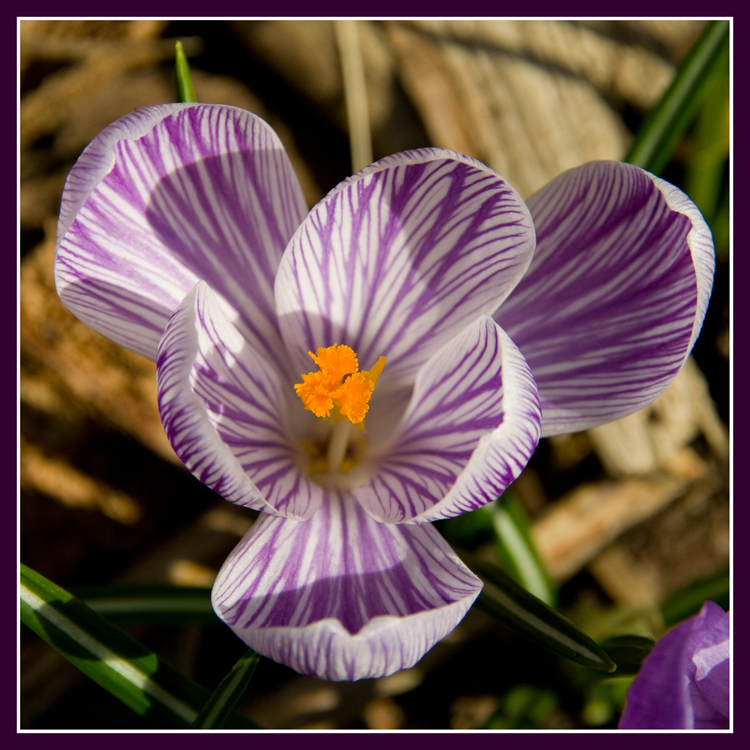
586,520
59,480
647,440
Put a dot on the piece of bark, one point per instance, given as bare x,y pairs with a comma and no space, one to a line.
687,542
305,53
648,439
525,97
49,105
578,526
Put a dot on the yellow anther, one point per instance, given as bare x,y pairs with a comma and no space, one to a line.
336,361
374,373
339,383
315,393
353,397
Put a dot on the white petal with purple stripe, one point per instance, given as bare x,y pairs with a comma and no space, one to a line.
615,296
399,260
471,427
700,242
340,596
168,196
223,408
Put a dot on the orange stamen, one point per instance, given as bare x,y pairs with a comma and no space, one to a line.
338,383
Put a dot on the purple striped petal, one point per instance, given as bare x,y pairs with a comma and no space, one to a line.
224,409
615,296
471,427
340,596
416,155
399,260
165,197
701,245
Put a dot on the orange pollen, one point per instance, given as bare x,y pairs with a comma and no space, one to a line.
339,383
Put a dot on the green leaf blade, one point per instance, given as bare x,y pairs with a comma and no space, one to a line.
656,140
688,601
516,549
185,91
172,605
121,665
224,698
628,651
525,614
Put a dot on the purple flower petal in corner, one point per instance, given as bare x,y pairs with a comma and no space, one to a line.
684,682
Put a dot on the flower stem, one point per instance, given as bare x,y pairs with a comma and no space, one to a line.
337,445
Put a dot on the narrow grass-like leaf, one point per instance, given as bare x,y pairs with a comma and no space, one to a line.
468,529
530,617
185,91
224,698
628,651
516,549
605,700
118,663
524,707
688,602
709,144
165,605
656,140
720,228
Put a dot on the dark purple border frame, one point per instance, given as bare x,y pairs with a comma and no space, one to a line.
383,8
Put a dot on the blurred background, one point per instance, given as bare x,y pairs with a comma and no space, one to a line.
623,517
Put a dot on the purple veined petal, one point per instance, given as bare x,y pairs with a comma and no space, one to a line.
615,296
709,691
710,696
700,242
684,682
99,157
167,196
408,157
223,409
396,261
471,427
340,596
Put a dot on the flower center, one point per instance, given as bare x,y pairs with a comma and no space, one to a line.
341,392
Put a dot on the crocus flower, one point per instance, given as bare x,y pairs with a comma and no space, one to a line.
363,370
684,682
